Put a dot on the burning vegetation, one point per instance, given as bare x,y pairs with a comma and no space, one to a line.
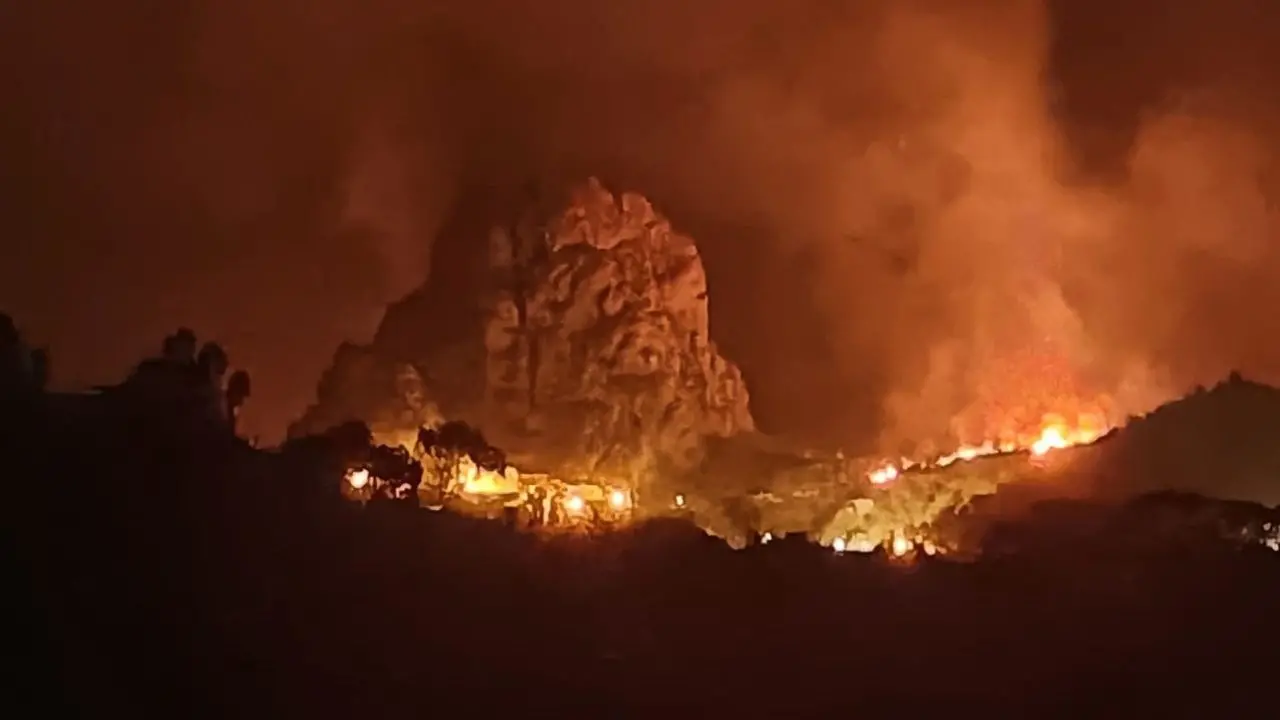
753,490
453,467
580,342
904,511
1055,433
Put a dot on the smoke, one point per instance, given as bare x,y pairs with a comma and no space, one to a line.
1192,256
400,202
915,213
1031,294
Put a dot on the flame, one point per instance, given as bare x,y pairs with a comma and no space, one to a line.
475,480
901,545
883,474
1054,433
1051,438
358,478
619,500
897,544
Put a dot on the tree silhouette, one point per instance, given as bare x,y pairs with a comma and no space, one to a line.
397,472
445,447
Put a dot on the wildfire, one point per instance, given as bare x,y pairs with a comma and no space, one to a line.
1054,433
474,480
898,545
1051,439
619,499
575,504
358,478
883,474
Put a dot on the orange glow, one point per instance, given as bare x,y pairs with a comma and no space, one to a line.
358,478
619,500
900,545
474,480
883,475
575,504
1051,438
1054,433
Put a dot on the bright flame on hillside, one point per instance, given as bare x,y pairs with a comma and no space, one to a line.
1051,439
883,474
619,500
475,480
358,478
1054,433
901,545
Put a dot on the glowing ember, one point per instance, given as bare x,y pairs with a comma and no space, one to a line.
901,545
475,480
575,504
679,501
618,500
1051,439
358,478
838,545
884,474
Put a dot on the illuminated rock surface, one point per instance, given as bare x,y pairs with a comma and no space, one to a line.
388,395
577,338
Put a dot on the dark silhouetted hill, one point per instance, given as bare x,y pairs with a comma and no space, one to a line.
1222,441
166,568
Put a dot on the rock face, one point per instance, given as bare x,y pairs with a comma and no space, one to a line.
387,395
579,339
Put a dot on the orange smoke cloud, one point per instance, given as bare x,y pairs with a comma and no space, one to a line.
890,195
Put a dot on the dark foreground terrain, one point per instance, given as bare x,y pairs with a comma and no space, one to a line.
162,566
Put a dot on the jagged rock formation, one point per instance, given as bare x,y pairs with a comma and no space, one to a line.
386,394
578,337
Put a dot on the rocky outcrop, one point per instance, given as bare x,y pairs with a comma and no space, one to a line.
387,395
578,339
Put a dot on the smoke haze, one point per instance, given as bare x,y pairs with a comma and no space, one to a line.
915,213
